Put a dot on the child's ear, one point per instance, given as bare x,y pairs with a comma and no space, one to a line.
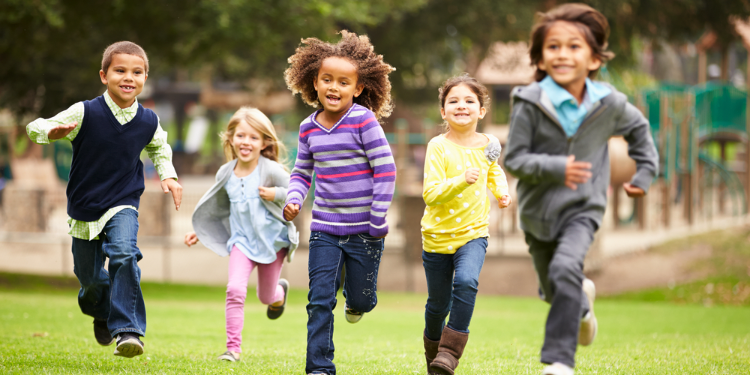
482,112
442,113
360,88
103,77
540,65
594,64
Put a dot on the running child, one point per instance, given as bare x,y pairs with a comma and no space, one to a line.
344,145
108,134
460,166
557,147
241,216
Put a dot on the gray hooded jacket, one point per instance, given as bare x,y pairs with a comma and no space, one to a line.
538,148
211,215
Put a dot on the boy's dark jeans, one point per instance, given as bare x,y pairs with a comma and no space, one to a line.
114,296
559,265
452,293
329,253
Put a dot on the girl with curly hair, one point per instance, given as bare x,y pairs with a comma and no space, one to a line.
460,166
344,145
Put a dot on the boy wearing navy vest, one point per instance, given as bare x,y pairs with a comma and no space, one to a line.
108,134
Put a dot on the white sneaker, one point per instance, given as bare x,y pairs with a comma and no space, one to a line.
587,332
229,356
557,368
352,316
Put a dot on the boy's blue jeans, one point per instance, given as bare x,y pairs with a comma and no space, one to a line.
114,296
452,284
328,254
559,265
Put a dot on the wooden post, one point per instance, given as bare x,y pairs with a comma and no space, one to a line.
616,205
402,150
694,162
702,66
721,187
747,135
666,147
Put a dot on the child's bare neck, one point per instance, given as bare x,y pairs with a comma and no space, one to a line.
329,119
577,89
244,169
469,138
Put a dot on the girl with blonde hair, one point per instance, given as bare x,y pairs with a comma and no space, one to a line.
241,216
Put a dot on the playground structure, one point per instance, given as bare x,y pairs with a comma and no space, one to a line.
701,134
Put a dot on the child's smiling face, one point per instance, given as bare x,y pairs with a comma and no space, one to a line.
462,109
124,78
247,143
566,56
337,84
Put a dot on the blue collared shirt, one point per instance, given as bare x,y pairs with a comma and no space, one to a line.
569,113
254,230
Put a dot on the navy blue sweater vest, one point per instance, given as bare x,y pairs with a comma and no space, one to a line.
106,170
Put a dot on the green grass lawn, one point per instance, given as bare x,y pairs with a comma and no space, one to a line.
43,331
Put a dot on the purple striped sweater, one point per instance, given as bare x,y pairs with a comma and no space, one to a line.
354,174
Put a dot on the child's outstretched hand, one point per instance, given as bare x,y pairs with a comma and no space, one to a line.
191,238
60,131
267,193
576,172
171,184
633,191
471,175
291,211
504,201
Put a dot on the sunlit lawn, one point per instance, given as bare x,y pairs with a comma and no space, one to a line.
42,331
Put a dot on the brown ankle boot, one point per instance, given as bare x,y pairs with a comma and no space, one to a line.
451,348
430,351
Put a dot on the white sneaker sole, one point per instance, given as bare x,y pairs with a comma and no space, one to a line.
352,318
589,328
129,349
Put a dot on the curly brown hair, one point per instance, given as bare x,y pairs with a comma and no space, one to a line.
589,21
372,71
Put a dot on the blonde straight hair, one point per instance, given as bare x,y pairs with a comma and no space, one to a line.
273,150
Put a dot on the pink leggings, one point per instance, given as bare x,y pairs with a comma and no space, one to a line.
269,290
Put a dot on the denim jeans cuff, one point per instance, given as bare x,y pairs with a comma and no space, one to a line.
132,330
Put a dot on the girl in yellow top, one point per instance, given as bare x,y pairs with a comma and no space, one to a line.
460,166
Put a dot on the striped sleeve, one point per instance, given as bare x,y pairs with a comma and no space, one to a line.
301,176
381,161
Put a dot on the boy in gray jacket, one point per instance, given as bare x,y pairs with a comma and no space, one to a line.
557,148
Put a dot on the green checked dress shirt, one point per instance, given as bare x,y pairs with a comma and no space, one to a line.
158,151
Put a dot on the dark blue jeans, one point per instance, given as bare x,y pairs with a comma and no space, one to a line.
452,284
114,296
328,255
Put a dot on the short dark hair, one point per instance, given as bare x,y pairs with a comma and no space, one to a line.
470,82
592,24
372,71
128,48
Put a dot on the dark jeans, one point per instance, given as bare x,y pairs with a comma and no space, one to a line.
452,284
559,265
114,296
328,255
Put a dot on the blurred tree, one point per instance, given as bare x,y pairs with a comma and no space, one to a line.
52,49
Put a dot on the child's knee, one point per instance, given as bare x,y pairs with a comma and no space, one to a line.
565,269
365,302
236,292
465,282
